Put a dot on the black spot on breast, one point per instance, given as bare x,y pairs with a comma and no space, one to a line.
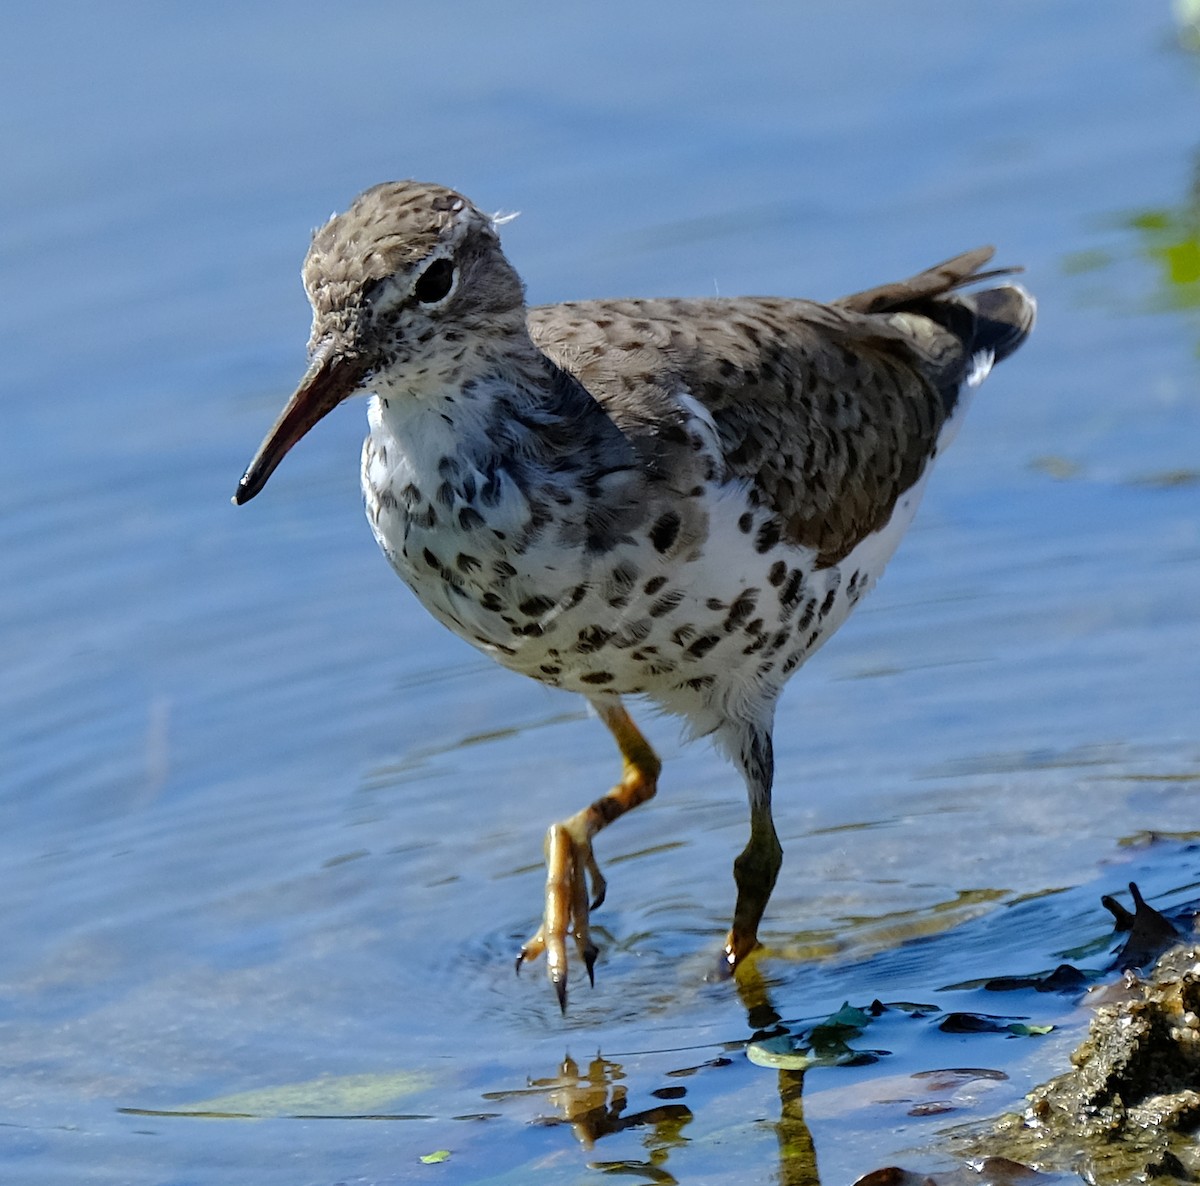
789,595
653,585
777,573
469,519
666,603
491,603
827,604
703,645
445,494
592,638
664,532
503,570
619,584
465,563
534,607
746,522
700,683
410,495
740,610
596,677
768,536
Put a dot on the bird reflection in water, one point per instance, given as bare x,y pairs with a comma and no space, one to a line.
593,1100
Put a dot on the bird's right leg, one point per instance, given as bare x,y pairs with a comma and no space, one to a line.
569,852
756,869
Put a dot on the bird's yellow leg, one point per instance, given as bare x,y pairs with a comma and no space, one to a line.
569,859
754,871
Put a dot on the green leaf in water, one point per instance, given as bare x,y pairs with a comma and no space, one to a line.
779,1053
436,1156
330,1095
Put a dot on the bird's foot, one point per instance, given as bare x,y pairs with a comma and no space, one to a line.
739,945
570,863
569,860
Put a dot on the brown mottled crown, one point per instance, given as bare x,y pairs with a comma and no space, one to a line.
388,229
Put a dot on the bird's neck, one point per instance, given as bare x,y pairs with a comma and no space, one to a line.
498,399
522,416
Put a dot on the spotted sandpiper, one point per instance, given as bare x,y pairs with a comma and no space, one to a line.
673,499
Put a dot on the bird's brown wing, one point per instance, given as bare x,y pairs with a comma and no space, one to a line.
830,411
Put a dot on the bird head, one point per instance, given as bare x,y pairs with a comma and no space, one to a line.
410,294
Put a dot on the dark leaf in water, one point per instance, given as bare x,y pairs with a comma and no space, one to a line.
1064,978
912,1008
683,1072
983,1023
951,1078
1150,933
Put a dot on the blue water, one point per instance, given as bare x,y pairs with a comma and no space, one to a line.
263,824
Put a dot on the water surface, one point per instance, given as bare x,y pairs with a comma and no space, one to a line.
271,837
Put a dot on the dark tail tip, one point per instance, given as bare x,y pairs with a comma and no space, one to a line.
1003,318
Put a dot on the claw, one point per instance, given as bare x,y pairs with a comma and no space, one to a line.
570,863
738,947
722,968
599,884
532,949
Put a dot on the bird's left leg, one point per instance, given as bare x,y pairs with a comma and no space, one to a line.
756,869
569,852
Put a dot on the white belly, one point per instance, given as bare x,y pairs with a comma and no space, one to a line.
705,629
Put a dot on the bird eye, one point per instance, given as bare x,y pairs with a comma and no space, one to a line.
434,283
